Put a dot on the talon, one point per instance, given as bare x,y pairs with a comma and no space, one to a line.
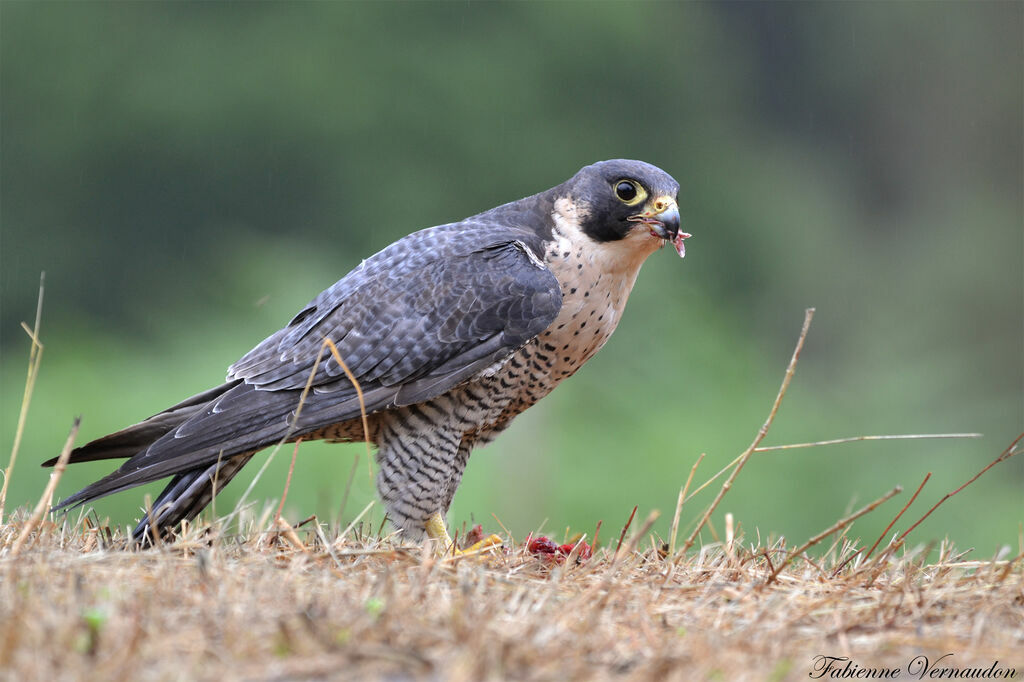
436,530
491,541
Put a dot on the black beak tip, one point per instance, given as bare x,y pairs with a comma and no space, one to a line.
671,226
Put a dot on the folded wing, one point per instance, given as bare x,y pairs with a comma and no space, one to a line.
420,317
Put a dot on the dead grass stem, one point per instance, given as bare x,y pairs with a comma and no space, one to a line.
35,358
762,432
46,499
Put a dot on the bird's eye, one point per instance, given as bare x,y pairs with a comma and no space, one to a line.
629,192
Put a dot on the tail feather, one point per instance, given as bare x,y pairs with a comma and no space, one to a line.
237,420
204,439
186,496
134,439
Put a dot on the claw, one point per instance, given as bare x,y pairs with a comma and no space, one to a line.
436,530
487,543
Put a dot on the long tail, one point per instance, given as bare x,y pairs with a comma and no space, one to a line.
130,441
188,493
203,442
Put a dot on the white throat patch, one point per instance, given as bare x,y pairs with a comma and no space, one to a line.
621,257
596,279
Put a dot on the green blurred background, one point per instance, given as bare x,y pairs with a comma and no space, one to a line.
189,175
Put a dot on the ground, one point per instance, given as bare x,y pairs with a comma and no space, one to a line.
263,604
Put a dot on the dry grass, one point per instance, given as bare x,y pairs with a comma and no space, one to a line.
257,606
241,598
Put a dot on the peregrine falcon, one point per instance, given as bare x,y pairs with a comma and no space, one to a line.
449,332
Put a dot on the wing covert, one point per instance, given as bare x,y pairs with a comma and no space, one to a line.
402,319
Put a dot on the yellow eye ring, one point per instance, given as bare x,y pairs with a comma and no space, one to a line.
629,192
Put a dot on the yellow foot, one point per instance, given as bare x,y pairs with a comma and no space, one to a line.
477,547
436,530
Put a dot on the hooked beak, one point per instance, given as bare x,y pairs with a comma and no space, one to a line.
667,225
661,215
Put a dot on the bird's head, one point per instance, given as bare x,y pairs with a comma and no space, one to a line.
622,199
